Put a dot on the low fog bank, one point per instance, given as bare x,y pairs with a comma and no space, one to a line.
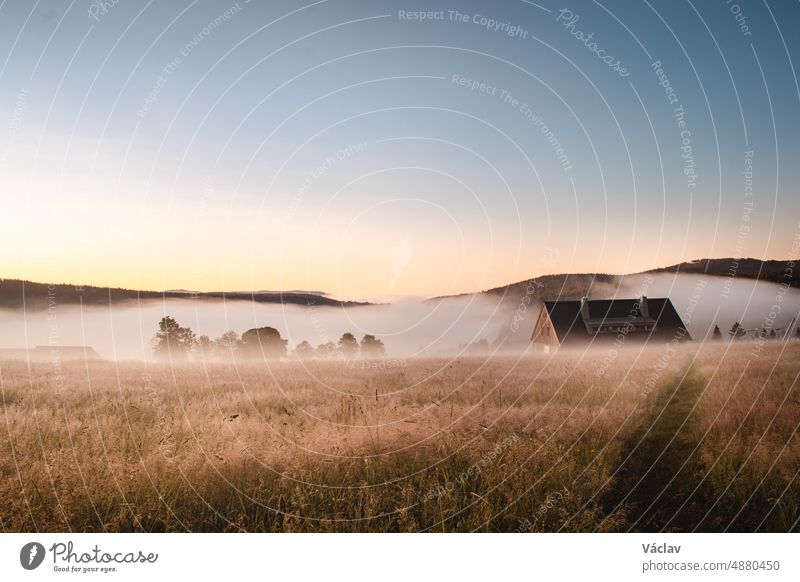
476,324
701,301
125,331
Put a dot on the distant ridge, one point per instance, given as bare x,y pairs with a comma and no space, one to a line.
548,287
576,285
775,271
16,293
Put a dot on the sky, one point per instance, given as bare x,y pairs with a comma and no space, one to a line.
383,149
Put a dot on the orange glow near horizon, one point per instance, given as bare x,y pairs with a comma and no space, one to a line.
354,255
367,274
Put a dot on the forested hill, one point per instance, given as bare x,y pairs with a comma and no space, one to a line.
16,293
551,287
784,272
577,285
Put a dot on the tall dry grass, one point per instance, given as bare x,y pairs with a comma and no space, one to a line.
540,444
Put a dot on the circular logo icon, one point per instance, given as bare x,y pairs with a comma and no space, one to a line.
31,555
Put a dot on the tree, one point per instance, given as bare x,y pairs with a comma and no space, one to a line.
304,350
326,351
172,341
737,331
206,345
478,348
716,335
224,347
372,347
348,345
228,342
265,342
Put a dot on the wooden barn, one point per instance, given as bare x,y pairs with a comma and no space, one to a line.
585,322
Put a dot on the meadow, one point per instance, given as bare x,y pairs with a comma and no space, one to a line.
702,438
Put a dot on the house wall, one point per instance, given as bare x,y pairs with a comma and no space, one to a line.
544,335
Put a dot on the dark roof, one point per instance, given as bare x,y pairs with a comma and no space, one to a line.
570,329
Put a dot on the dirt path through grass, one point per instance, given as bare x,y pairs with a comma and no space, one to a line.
659,470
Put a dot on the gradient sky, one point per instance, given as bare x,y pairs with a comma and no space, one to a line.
325,145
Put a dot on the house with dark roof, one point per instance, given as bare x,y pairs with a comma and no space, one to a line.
596,322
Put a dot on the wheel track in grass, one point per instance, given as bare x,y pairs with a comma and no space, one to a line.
656,480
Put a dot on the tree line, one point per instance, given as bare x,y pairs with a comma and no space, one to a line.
738,331
175,342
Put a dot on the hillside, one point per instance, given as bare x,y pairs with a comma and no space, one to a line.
549,287
575,286
544,288
771,270
16,294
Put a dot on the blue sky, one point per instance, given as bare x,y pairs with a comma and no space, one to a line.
338,145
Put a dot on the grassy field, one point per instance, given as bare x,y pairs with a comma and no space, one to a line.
702,438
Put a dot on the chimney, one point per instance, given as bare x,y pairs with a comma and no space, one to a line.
585,308
644,311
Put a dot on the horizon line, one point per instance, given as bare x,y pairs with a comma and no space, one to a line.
372,298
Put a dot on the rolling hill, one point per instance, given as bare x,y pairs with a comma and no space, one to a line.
16,294
575,286
770,270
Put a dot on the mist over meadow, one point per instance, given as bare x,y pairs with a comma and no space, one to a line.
408,327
